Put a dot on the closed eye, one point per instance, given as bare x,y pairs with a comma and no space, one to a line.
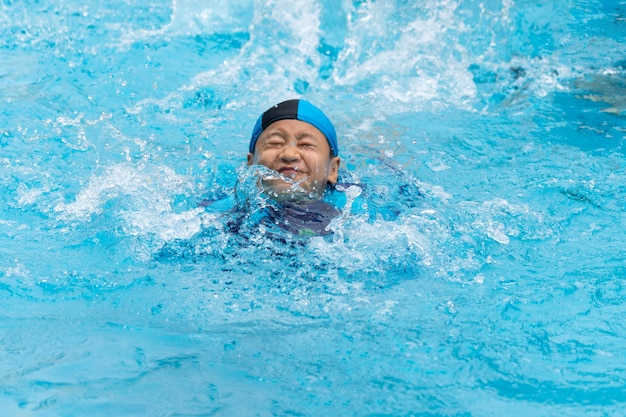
274,141
307,141
307,144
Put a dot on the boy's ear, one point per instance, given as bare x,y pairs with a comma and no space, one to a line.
333,173
250,159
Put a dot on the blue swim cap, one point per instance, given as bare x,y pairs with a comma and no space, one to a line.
297,110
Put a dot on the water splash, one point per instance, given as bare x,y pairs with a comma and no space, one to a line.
189,18
142,200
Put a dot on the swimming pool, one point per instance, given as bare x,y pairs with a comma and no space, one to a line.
479,271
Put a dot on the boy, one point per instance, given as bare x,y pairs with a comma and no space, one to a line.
297,142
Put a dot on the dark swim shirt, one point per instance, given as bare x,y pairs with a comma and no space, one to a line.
309,218
283,221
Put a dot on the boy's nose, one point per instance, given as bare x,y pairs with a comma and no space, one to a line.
290,152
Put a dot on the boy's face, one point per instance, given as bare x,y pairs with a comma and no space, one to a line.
299,152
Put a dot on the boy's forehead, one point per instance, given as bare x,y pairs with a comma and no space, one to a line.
295,127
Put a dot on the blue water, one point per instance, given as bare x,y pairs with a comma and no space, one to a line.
478,271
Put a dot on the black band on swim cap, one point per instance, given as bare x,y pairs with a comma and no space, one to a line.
285,110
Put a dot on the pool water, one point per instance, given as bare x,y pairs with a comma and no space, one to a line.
477,267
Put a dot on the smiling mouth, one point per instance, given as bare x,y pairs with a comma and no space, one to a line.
289,172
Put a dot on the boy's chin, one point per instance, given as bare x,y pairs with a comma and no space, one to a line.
279,190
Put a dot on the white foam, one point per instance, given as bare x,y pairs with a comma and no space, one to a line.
264,66
363,247
19,270
418,65
27,196
273,65
168,227
145,194
190,18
